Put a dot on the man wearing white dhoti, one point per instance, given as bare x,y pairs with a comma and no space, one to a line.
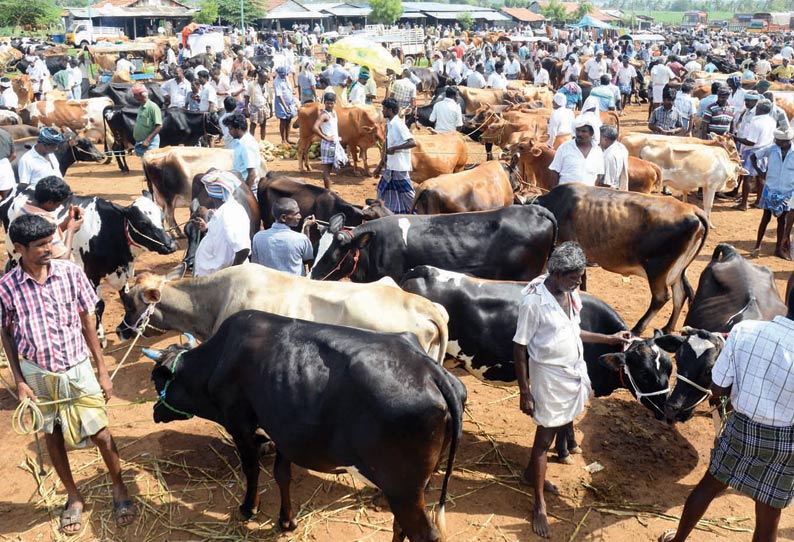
550,367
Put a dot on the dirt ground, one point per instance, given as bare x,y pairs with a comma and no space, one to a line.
185,476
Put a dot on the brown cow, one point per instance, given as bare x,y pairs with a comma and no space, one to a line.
360,128
23,89
438,154
474,98
508,128
488,186
533,159
84,117
650,236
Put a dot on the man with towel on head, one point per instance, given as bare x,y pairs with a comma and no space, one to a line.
580,160
8,98
40,162
560,126
550,367
49,334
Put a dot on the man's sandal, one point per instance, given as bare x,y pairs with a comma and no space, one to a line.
71,517
124,512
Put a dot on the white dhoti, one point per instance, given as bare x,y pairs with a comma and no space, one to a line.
560,392
657,92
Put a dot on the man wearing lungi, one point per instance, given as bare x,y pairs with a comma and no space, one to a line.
550,367
48,330
755,453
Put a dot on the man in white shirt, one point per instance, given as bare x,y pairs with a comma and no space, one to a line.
446,113
626,76
560,127
541,74
616,159
692,65
438,62
595,68
176,90
40,162
579,160
572,69
207,97
787,51
227,241
76,77
753,455
39,77
8,98
454,69
496,80
395,188
221,84
476,78
512,68
124,65
660,75
763,67
754,135
246,158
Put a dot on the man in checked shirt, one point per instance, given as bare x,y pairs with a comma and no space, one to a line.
755,453
48,331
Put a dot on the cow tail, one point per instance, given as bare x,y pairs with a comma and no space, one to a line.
419,196
440,321
455,407
704,221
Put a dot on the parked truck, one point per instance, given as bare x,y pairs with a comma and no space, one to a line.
81,33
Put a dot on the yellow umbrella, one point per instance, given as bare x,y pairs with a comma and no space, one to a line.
364,52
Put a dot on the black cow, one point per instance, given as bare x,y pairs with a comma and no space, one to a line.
121,93
72,149
180,127
429,79
110,238
387,410
482,323
512,243
312,201
731,290
54,63
696,351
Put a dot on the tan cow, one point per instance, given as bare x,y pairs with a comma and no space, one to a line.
635,142
200,305
360,127
438,154
479,189
83,117
687,167
474,98
169,173
23,89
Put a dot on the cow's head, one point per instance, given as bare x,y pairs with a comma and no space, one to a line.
374,208
175,402
143,226
645,371
696,351
83,148
23,89
341,251
140,302
727,142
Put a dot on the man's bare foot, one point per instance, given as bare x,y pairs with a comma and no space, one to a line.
755,253
576,450
540,523
741,207
783,255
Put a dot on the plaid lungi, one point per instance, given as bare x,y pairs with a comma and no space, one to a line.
396,191
84,415
327,152
756,459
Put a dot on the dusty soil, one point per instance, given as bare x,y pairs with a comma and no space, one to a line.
186,482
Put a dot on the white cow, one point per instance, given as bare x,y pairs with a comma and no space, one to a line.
83,117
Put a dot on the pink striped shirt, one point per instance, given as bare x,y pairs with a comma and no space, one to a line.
46,317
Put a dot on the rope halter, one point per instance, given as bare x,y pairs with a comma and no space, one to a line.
162,400
639,395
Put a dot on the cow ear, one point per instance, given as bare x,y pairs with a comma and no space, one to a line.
613,361
336,223
364,239
177,272
535,151
147,194
669,343
151,295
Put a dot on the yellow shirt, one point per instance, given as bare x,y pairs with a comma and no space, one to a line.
784,72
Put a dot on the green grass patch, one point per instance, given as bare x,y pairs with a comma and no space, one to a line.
675,17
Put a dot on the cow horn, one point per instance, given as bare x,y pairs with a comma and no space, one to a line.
191,340
151,353
686,331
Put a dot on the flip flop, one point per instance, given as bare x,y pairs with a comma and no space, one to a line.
667,536
123,509
69,518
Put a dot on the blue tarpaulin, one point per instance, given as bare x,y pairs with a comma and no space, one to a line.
591,22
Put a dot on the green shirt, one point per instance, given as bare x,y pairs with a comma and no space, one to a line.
149,116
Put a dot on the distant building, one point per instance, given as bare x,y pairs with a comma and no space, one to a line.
137,17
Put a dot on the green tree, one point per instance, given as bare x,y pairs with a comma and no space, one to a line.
464,20
208,13
385,11
555,12
584,8
229,11
25,12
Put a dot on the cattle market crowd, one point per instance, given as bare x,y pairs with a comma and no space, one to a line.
324,325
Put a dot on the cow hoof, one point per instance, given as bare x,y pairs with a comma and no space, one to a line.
287,524
246,512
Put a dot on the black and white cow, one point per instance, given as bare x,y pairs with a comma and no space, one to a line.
70,151
511,243
730,290
110,238
330,398
482,323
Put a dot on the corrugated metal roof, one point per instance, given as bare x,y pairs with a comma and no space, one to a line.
523,14
289,14
438,7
